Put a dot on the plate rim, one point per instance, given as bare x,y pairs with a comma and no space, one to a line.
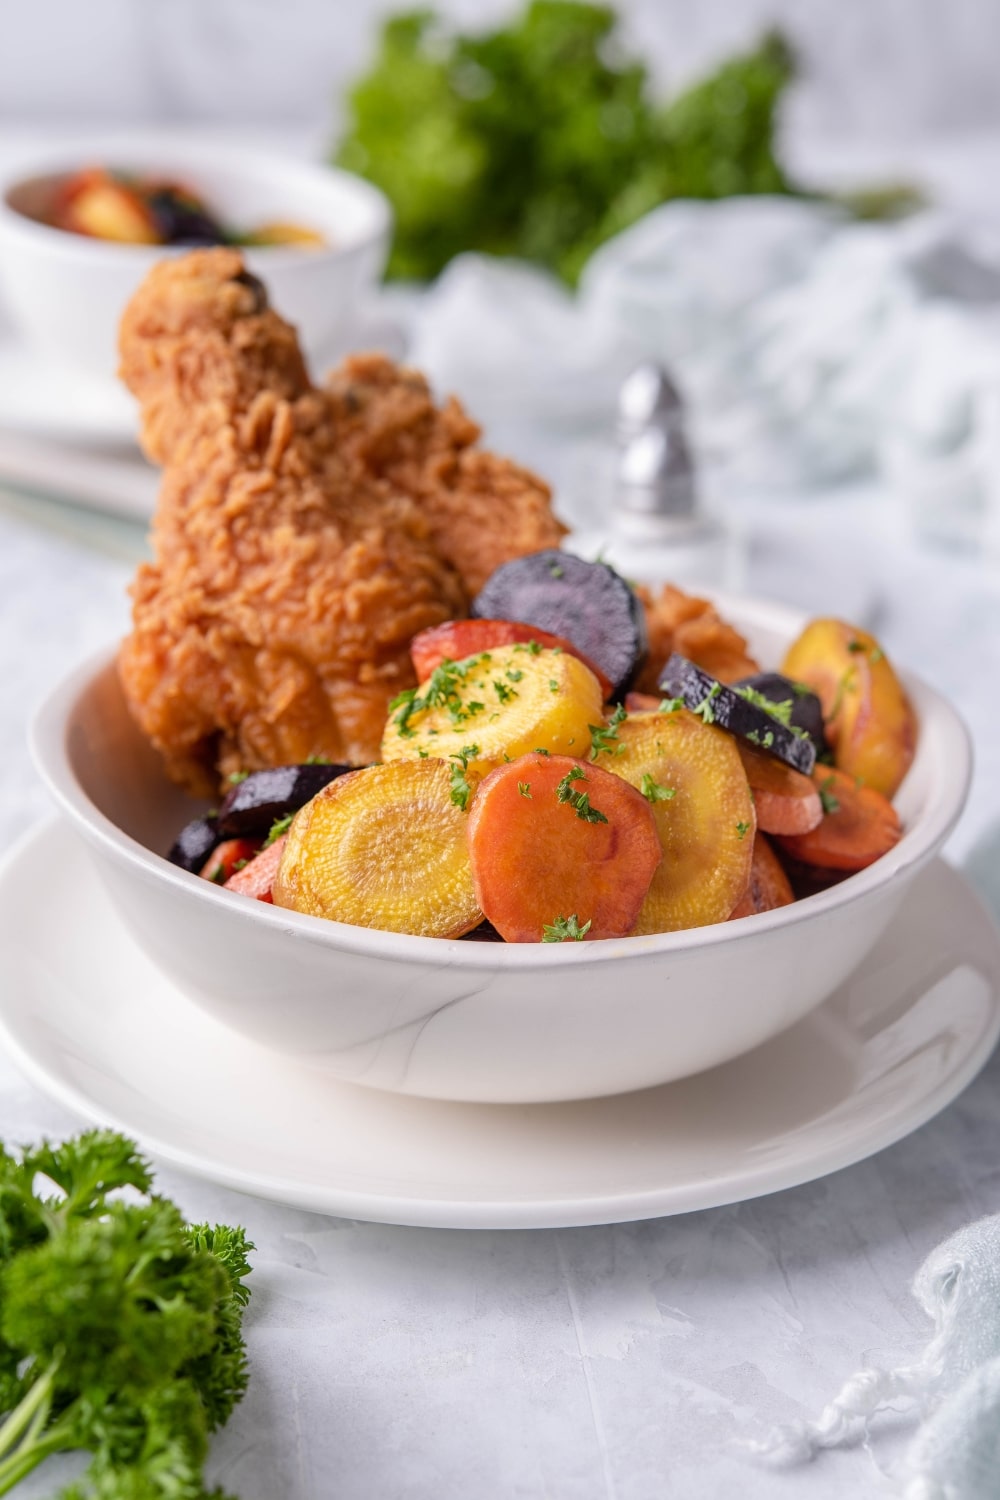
845,1150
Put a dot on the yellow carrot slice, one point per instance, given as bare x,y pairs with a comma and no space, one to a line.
693,777
499,705
384,847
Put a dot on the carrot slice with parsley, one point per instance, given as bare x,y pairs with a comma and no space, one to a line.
769,886
561,850
227,858
859,825
784,799
256,878
457,639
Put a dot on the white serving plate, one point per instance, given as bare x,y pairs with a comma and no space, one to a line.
94,1023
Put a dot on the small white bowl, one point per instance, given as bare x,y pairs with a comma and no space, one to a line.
479,1021
66,292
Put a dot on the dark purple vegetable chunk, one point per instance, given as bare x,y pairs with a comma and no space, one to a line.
195,843
806,710
182,220
588,603
484,933
718,704
261,798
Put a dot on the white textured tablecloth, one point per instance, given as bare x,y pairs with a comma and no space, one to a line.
616,1363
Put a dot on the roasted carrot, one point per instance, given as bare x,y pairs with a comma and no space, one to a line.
859,825
457,639
785,800
560,850
226,857
769,885
641,703
256,878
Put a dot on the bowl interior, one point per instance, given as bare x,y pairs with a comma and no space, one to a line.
97,761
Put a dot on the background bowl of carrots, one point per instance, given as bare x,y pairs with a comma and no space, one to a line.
486,1022
67,287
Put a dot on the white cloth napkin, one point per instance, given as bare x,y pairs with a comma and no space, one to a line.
954,1384
810,348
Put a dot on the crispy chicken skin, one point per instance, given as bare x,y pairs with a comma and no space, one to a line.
482,510
682,622
302,537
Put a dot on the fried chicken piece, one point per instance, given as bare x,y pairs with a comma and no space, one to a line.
682,622
482,510
275,621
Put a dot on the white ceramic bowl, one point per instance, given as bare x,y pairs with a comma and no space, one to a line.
478,1021
67,292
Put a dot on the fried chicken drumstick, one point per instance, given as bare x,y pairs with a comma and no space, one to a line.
302,536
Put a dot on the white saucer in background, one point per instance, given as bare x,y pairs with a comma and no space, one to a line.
93,1023
41,399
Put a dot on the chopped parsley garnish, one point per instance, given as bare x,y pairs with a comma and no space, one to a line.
855,646
524,787
579,801
670,705
654,791
503,692
278,827
219,875
532,647
742,829
565,930
556,570
801,689
604,737
240,864
831,804
461,789
318,760
553,685
781,711
235,777
705,710
541,750
442,690
513,674
847,684
875,655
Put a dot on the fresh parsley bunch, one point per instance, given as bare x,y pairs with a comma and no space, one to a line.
541,140
119,1323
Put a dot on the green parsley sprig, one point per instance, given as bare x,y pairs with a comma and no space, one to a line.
580,801
461,787
604,737
565,930
119,1323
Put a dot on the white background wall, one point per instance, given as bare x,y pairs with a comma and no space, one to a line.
872,68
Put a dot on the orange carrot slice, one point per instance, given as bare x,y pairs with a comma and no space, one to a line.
256,878
560,850
769,886
859,825
457,639
225,857
785,800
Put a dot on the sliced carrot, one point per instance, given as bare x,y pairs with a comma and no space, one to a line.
457,639
692,776
642,703
785,800
225,857
859,825
257,878
769,886
384,847
560,849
